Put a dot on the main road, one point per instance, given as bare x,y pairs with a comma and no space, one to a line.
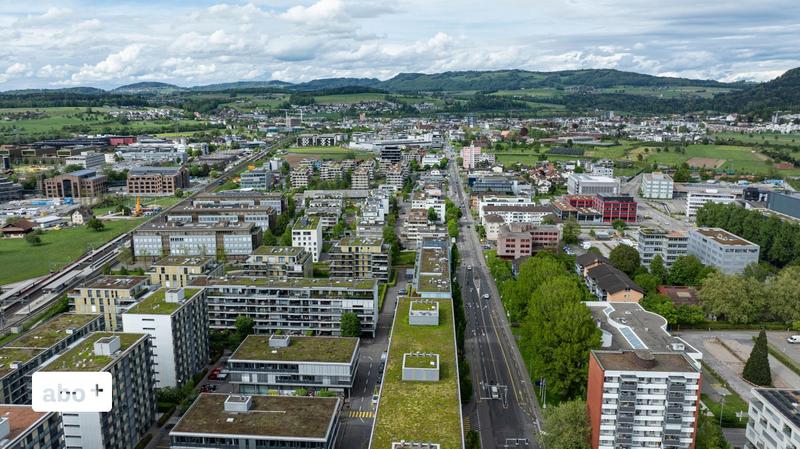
504,409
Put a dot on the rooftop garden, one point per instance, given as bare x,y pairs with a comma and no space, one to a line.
420,361
51,332
83,358
423,306
300,349
157,304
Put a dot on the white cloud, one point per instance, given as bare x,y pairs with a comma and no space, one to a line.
115,65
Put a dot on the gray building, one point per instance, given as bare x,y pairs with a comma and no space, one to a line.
256,179
658,242
284,363
583,184
158,239
774,419
9,190
720,249
423,313
420,367
23,428
240,198
279,261
786,203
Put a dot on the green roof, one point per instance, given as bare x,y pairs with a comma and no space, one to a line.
51,332
83,358
428,283
278,250
9,355
300,349
156,303
423,305
420,361
420,411
306,224
183,261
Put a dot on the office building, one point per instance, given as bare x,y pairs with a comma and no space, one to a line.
391,153
695,200
583,184
153,153
156,181
109,296
360,258
285,363
87,159
127,357
720,249
240,199
238,421
668,244
307,234
616,207
515,240
26,353
657,186
774,419
78,184
583,215
786,203
233,241
177,321
290,304
23,428
179,271
204,212
256,179
9,190
279,261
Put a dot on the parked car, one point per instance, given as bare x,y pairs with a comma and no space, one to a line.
375,398
485,296
794,339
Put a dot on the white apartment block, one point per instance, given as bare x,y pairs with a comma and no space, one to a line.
503,201
299,178
421,200
513,213
177,322
583,184
696,200
307,234
657,186
774,419
668,244
359,180
719,248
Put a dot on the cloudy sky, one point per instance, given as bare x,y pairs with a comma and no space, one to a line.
107,43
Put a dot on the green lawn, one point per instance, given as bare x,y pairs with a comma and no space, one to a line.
406,258
349,98
741,158
19,260
420,411
762,138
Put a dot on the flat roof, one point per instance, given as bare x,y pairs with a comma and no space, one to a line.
82,356
306,223
278,282
723,237
785,401
157,304
117,282
279,251
269,416
300,349
182,261
20,418
10,355
671,362
360,241
51,332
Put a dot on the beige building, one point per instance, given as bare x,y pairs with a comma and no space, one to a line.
360,258
178,271
110,296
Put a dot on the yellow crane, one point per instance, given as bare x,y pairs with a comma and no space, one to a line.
137,212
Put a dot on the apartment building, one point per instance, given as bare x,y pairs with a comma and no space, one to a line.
719,248
26,353
299,178
657,185
494,200
307,234
87,159
668,244
327,210
109,296
240,199
285,363
696,200
360,258
605,281
156,181
178,271
416,226
513,213
127,357
616,207
159,239
360,178
774,419
193,213
22,428
239,421
421,199
469,155
279,261
291,304
515,240
432,269
177,321
256,179
85,183
396,175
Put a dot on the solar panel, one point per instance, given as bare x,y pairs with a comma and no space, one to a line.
632,338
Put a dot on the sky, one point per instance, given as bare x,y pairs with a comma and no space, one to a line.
105,43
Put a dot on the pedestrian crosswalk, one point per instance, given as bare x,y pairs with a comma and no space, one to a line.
361,414
467,424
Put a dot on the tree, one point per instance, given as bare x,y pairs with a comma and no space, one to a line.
626,258
687,270
350,325
566,426
244,326
709,434
286,237
736,299
571,231
432,215
647,281
452,228
619,225
95,225
783,291
178,193
658,269
33,239
269,238
756,369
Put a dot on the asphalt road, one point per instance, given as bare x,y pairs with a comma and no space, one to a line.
507,416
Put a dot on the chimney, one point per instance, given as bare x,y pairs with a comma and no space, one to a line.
107,345
174,295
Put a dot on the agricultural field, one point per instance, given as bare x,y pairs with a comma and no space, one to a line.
740,158
246,103
666,92
762,138
350,98
295,155
534,93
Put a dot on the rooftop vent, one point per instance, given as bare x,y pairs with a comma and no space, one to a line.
279,341
107,345
175,295
238,403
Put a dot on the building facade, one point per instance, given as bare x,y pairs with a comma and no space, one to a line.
360,258
657,186
109,296
616,207
234,241
774,422
668,244
307,234
178,271
279,261
23,428
696,200
719,248
157,181
78,184
583,184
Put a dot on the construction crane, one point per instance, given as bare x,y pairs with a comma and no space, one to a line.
137,212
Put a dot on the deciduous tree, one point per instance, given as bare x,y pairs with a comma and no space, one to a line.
350,325
566,426
626,258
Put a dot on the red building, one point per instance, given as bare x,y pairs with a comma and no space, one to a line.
580,200
515,240
616,207
121,140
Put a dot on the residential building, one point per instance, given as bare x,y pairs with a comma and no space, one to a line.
109,296
360,258
279,261
236,241
177,321
431,160
432,269
657,185
205,213
9,190
640,398
469,155
422,199
78,184
156,181
307,234
605,281
264,363
327,210
237,421
616,207
22,428
318,140
695,200
774,419
17,230
25,354
299,178
291,304
87,159
602,169
583,184
492,224
396,175
484,182
720,249
179,271
360,178
516,240
668,244
81,216
256,179
495,200
417,226
513,213
240,199
391,153
127,357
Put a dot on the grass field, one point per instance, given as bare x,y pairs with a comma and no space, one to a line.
741,158
762,138
350,98
420,411
19,260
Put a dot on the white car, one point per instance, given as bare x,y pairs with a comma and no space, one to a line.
793,339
